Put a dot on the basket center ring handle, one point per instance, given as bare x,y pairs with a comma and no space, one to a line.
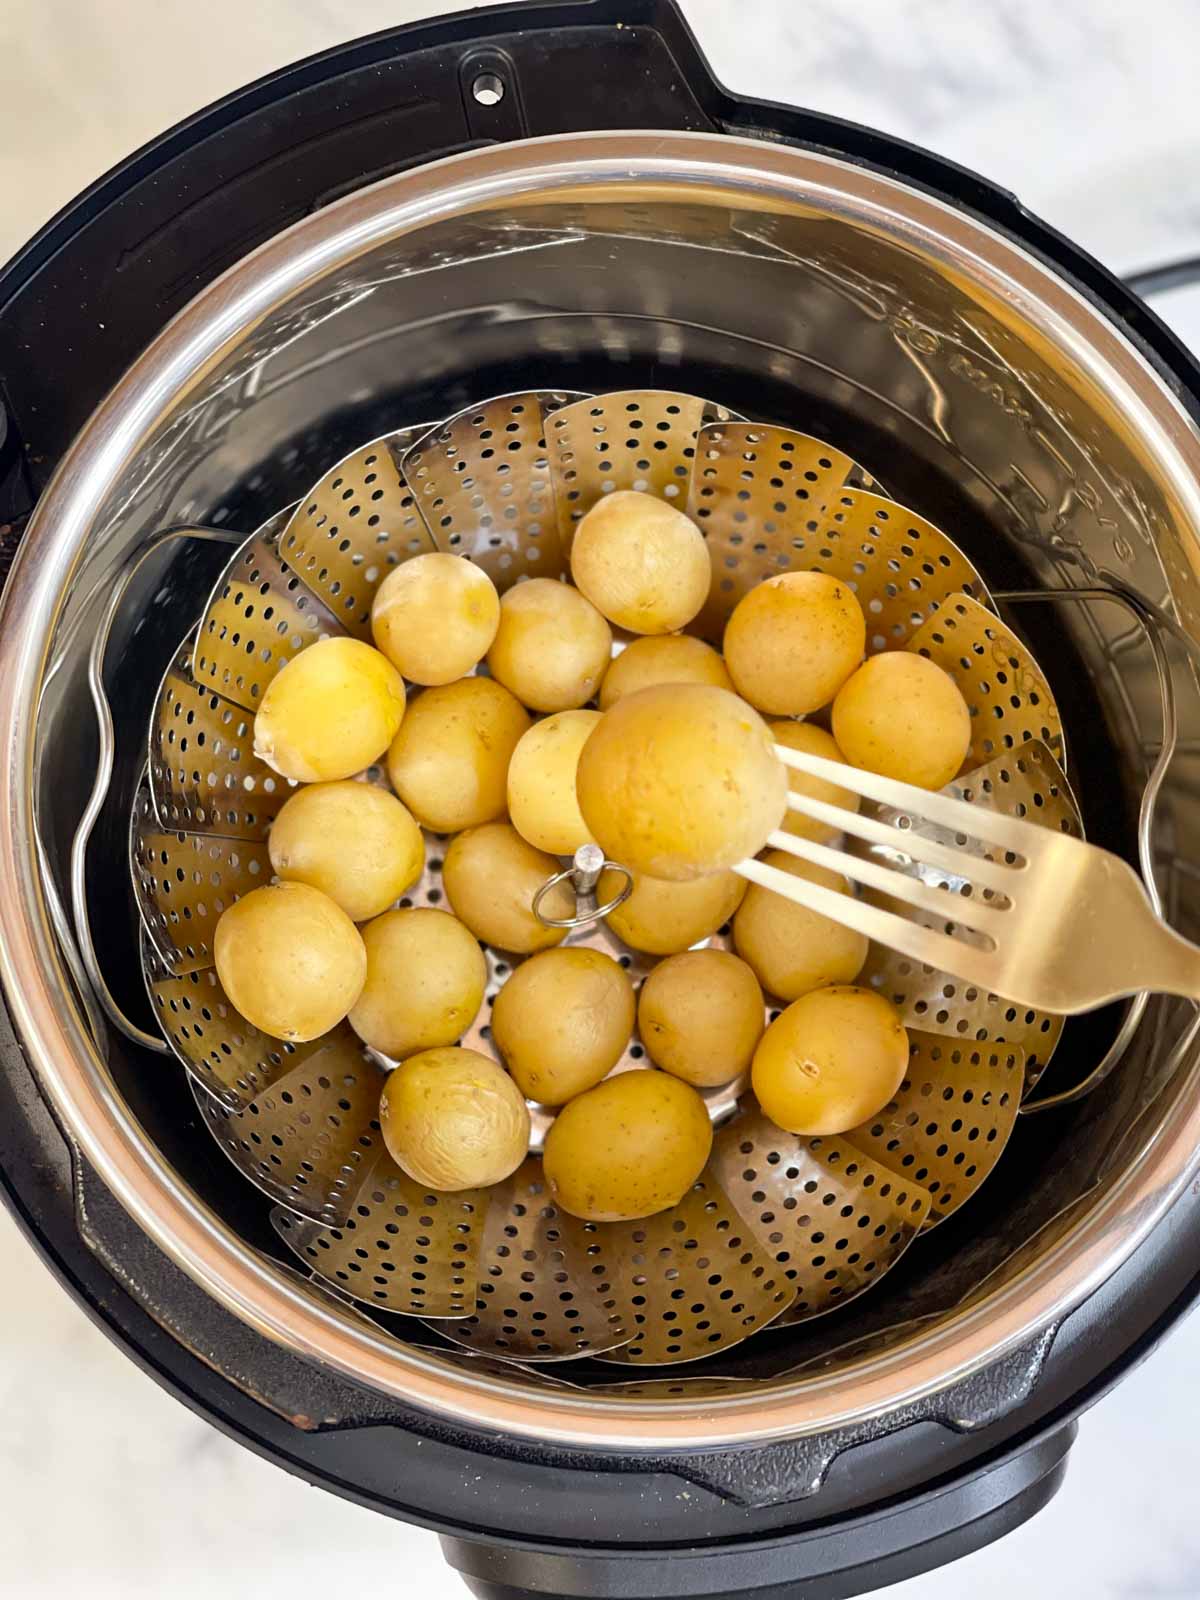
583,875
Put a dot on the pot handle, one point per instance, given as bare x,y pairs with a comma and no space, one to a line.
104,771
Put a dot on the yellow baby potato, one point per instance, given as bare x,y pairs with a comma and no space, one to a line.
425,980
790,948
435,617
700,1015
562,1021
631,1146
330,712
830,1061
793,641
641,562
449,762
669,658
812,741
491,875
902,716
681,780
454,1119
541,782
353,841
661,917
290,960
552,647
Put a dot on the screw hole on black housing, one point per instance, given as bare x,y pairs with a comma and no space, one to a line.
488,89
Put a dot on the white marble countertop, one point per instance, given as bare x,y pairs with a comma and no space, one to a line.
1086,108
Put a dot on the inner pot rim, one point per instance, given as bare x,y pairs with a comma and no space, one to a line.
77,1081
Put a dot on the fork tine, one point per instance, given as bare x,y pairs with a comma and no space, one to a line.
958,815
927,945
907,841
966,911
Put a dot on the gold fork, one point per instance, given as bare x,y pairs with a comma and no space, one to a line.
1044,920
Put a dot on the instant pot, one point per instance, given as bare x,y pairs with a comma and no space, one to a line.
561,196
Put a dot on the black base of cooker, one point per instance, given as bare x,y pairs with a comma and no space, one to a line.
519,1520
860,1557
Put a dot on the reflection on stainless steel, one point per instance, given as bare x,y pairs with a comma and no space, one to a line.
1062,449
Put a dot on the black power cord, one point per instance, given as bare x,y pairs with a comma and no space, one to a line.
1165,277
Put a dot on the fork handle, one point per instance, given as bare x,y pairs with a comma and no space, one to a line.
1167,962
1119,945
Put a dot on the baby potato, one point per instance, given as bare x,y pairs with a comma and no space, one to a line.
830,1061
330,712
700,1015
669,658
425,980
902,716
435,617
812,741
681,780
793,641
290,960
454,1119
353,841
661,917
449,762
790,948
641,562
491,875
562,1021
541,782
631,1146
552,646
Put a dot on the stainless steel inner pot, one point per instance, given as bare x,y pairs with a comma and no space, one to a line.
981,389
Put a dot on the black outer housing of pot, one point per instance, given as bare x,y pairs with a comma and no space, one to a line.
518,1519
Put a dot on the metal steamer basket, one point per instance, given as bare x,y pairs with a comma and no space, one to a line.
894,388
780,1229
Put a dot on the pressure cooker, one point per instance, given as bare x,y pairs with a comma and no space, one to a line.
560,197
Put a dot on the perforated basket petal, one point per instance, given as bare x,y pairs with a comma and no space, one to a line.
770,500
204,775
642,439
750,479
305,1138
184,881
483,485
354,526
901,567
832,1218
233,1060
547,1282
696,1279
398,1246
950,1120
1006,691
259,616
